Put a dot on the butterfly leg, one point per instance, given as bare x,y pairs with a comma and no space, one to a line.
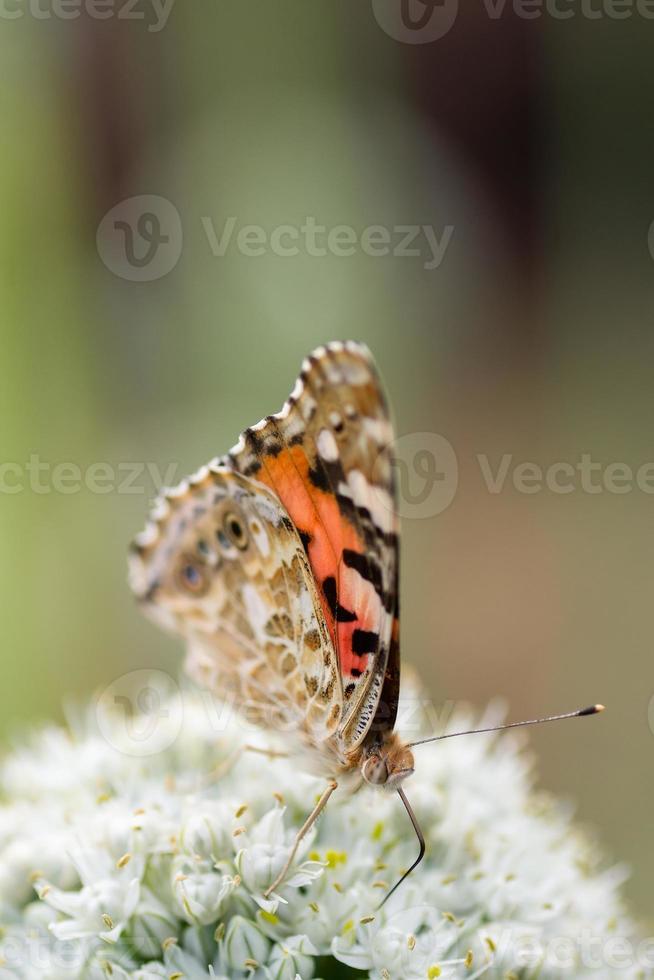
302,832
270,753
228,764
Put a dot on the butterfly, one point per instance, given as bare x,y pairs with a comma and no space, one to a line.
278,564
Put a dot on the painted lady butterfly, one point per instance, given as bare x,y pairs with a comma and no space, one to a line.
278,564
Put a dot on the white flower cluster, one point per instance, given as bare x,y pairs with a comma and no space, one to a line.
154,866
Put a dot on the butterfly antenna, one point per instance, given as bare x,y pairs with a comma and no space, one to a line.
594,709
421,841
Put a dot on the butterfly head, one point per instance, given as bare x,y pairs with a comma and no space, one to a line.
387,763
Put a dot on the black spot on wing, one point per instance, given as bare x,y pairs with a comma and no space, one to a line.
150,595
340,614
370,570
365,566
364,641
272,444
319,479
329,590
253,441
362,518
262,442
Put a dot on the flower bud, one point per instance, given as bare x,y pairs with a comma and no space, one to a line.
244,944
292,957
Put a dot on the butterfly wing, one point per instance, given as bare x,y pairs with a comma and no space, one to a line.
327,456
222,564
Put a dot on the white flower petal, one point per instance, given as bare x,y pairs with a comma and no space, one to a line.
163,864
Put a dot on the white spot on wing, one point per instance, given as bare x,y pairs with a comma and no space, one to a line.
147,536
308,406
327,447
378,429
198,477
356,372
294,427
284,412
173,493
161,509
136,571
356,347
377,500
333,372
260,538
239,447
257,611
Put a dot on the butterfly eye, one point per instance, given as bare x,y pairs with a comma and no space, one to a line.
192,577
375,770
235,530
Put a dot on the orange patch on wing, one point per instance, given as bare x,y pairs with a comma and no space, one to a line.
317,513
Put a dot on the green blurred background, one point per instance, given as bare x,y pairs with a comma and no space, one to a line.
532,138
